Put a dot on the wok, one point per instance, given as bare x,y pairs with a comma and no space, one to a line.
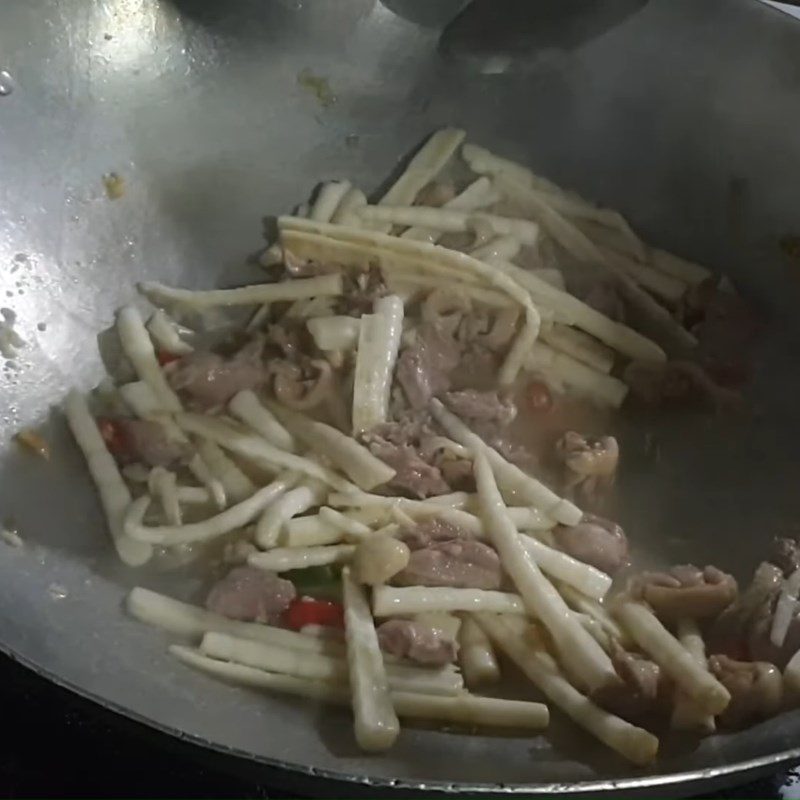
684,115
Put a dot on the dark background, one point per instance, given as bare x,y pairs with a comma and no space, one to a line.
58,744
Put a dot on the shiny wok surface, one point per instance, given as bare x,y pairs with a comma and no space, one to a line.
685,116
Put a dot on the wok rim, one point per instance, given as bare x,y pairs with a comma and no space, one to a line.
722,774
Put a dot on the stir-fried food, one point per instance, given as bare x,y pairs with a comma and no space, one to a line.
399,464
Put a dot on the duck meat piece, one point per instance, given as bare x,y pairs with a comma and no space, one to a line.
590,465
360,292
595,541
457,472
424,367
417,641
462,563
489,406
413,476
751,613
251,595
785,554
141,441
207,380
638,692
431,531
686,591
303,384
756,690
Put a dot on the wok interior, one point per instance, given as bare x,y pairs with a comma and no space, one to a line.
692,170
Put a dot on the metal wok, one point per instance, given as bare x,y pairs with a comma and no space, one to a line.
684,115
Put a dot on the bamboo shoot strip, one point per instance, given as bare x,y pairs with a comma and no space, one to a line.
193,622
695,680
256,294
138,347
236,484
324,667
115,497
226,521
513,480
584,659
476,655
376,724
278,513
424,166
378,345
516,640
328,199
463,708
351,457
685,714
588,579
389,601
283,559
257,450
581,346
247,408
478,194
350,203
166,333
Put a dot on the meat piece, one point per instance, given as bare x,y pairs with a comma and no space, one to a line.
785,554
686,591
463,563
505,442
594,541
433,530
678,383
424,367
417,641
756,690
360,292
471,404
302,384
133,441
590,465
250,594
457,472
637,693
751,611
413,476
287,338
208,380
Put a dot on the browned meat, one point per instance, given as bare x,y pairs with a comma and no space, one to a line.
143,441
251,594
751,613
413,476
637,693
487,406
678,383
361,291
301,268
423,368
466,564
417,641
595,541
756,689
288,339
431,531
686,591
590,465
302,384
207,380
785,554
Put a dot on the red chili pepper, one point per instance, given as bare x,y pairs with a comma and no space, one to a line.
113,436
307,611
165,358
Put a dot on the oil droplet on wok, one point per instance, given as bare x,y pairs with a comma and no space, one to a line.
6,83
